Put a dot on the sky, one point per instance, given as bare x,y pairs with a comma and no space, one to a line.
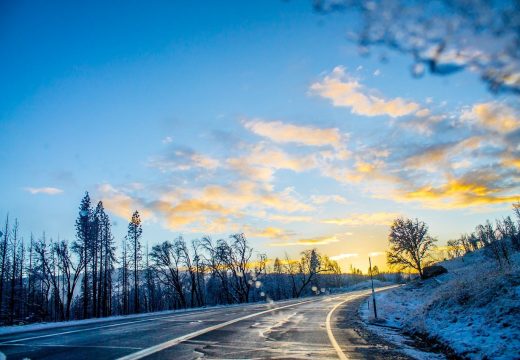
212,118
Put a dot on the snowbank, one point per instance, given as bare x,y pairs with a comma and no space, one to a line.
473,310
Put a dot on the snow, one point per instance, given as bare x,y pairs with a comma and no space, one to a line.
474,309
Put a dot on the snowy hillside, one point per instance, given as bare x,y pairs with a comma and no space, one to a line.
474,309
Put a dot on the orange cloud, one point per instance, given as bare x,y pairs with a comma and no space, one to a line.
121,204
457,193
345,91
494,116
280,132
269,232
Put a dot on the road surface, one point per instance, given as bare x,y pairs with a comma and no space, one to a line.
312,328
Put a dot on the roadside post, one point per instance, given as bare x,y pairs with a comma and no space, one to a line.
373,292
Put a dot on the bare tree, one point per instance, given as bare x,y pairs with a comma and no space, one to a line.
4,255
410,244
71,271
454,249
14,270
187,263
215,258
167,260
305,271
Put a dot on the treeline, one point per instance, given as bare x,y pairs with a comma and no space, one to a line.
42,279
499,240
411,246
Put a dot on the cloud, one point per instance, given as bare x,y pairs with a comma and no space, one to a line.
280,132
289,218
44,190
269,232
423,113
480,189
322,240
182,160
210,207
121,204
376,253
322,199
263,160
443,155
167,140
246,194
345,91
380,218
494,116
343,256
254,172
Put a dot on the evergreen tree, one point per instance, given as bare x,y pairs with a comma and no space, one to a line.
84,234
109,259
135,231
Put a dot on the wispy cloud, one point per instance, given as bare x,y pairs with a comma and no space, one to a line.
119,203
493,115
263,160
280,132
323,199
322,240
44,190
188,208
380,218
288,218
344,90
167,140
182,160
343,256
376,253
269,232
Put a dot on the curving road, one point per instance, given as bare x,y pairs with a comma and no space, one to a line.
311,328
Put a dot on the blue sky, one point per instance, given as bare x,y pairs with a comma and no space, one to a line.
257,117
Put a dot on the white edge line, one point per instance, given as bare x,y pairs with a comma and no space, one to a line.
147,318
159,347
332,339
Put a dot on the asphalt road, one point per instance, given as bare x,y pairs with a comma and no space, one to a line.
311,328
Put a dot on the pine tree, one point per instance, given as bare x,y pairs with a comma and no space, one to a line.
135,231
83,234
109,258
124,278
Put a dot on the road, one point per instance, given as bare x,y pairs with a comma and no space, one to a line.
311,328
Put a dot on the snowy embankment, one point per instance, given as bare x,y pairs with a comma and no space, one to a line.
473,310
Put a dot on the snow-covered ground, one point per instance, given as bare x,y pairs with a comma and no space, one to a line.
474,309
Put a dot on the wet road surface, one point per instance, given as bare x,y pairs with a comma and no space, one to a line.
325,327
